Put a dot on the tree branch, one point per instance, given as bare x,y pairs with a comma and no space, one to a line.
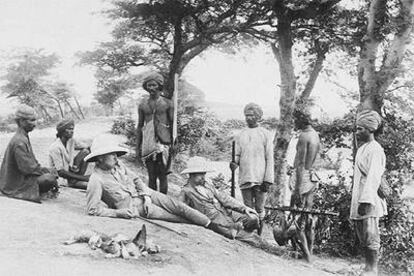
316,69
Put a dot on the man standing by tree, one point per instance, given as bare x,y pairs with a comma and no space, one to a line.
154,132
254,155
21,176
62,156
306,182
366,205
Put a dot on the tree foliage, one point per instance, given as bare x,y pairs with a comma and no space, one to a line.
28,79
167,35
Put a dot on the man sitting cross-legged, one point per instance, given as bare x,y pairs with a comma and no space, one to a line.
114,192
70,167
234,219
21,175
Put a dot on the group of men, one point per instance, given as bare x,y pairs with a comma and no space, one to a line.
114,191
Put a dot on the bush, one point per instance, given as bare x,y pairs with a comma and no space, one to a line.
125,126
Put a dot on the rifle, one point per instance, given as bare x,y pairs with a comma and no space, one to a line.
233,172
302,210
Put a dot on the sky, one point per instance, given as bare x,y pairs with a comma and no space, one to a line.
66,27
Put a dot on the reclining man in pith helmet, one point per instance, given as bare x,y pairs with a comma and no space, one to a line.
234,219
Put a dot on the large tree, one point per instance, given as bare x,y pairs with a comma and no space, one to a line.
306,31
388,30
168,34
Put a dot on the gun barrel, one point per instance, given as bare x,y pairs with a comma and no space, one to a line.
305,211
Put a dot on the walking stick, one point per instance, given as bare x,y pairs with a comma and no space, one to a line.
183,234
233,172
174,126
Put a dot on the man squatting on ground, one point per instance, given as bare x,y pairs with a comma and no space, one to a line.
306,181
62,156
254,157
114,192
154,132
234,219
21,175
366,205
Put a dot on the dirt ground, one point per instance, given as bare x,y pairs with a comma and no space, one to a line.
32,236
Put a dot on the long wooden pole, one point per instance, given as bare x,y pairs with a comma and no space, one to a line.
175,101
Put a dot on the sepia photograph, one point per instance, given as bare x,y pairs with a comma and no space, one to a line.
207,137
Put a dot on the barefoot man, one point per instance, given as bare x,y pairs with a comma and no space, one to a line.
154,132
306,183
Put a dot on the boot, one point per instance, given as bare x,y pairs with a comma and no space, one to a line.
228,232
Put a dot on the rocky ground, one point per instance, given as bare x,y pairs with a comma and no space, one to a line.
33,235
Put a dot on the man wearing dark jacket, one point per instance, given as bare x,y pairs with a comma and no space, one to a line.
21,175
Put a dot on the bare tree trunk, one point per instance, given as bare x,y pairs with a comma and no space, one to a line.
45,113
71,109
283,54
79,107
314,74
62,114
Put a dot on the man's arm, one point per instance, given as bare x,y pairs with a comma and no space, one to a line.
95,206
70,175
376,167
229,202
56,162
25,162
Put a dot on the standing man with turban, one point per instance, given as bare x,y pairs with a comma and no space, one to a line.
366,205
62,156
21,175
154,132
254,156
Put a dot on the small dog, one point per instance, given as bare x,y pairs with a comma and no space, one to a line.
117,245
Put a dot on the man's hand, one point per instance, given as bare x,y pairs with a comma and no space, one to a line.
147,205
124,213
251,212
364,208
233,166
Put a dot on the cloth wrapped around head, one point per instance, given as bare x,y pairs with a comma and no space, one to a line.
158,78
63,125
255,108
369,119
25,112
